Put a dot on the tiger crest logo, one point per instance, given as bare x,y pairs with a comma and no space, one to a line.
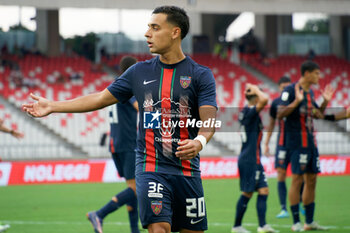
185,81
157,207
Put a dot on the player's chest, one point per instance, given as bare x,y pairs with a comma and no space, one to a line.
166,84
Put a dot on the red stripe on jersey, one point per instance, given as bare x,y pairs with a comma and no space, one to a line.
303,130
150,151
166,108
186,164
111,144
281,139
258,148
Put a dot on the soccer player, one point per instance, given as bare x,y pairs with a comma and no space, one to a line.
282,156
172,91
251,171
123,121
298,107
13,132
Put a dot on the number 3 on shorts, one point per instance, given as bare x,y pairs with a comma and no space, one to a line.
193,210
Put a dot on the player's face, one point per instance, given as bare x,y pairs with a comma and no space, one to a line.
313,76
283,85
160,34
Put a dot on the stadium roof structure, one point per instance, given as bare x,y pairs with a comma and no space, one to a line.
334,7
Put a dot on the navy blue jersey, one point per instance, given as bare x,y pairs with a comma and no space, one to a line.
281,138
299,124
251,134
169,98
123,122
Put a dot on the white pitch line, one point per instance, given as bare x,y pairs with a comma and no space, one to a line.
24,222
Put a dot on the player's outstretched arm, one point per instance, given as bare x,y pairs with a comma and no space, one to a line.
338,116
13,132
43,107
188,148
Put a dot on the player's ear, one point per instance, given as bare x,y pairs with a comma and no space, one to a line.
176,33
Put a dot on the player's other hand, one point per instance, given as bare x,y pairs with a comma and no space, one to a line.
328,92
40,108
348,112
267,150
188,149
250,89
299,93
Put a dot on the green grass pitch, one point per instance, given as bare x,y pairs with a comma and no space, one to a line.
62,208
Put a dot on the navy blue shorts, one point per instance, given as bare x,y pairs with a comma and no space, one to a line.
282,157
125,164
305,160
251,177
178,200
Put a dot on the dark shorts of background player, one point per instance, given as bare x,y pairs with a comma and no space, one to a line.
125,164
282,157
180,202
305,160
251,177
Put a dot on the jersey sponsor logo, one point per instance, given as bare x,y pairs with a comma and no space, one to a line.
151,120
157,207
197,221
154,190
148,82
185,81
284,96
167,131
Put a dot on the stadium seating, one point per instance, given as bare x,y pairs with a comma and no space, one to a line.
81,129
35,144
85,130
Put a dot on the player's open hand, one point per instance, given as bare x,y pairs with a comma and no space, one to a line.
328,92
188,149
348,112
267,150
40,108
299,93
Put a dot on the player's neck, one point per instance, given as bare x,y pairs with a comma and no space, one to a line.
173,56
304,84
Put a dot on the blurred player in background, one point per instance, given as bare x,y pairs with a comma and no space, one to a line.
251,171
168,181
299,107
123,122
4,227
13,132
282,156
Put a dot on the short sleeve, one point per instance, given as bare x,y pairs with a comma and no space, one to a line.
206,89
132,100
288,95
121,88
